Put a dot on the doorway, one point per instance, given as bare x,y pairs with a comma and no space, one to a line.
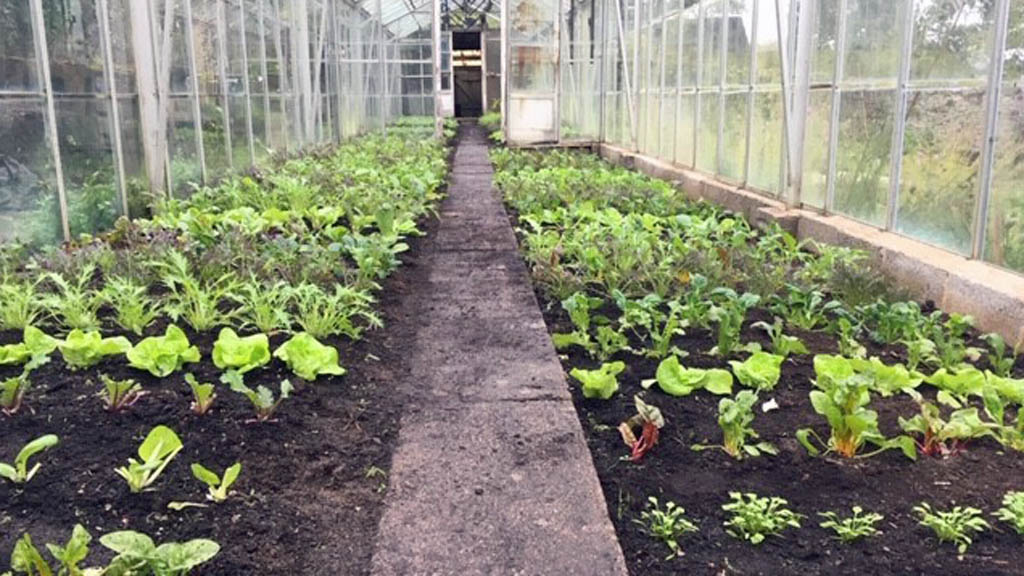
468,71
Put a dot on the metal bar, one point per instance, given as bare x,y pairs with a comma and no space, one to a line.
723,64
222,71
800,98
282,74
558,71
994,94
43,63
115,114
630,103
339,102
146,86
637,10
751,80
505,62
699,80
838,73
601,88
245,84
383,69
661,83
193,76
435,66
264,73
900,127
679,81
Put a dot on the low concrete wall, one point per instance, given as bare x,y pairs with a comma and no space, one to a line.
993,296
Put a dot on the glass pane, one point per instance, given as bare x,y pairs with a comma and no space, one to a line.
734,137
86,151
862,162
684,130
872,42
707,153
17,51
815,177
28,197
766,142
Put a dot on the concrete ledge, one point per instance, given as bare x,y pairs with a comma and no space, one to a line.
993,296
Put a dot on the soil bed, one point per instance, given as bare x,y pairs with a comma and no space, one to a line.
304,503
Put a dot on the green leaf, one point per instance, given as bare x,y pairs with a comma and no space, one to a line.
761,370
308,358
240,354
803,436
717,381
675,380
161,356
159,444
85,349
26,559
601,383
205,475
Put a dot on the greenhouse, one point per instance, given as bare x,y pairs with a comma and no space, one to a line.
447,287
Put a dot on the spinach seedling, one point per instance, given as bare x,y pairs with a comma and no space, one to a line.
155,453
1001,357
754,518
667,524
956,526
854,527
203,395
1012,511
119,395
19,472
136,551
218,485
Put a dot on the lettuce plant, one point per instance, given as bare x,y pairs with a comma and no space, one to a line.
135,550
161,356
675,380
650,421
760,371
782,344
959,384
262,398
885,379
308,358
231,352
155,453
86,349
842,397
218,485
735,418
34,342
203,395
601,383
19,472
119,395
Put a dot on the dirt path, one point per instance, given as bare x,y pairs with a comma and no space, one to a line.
491,475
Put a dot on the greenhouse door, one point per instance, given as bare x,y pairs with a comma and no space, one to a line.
467,66
492,70
530,28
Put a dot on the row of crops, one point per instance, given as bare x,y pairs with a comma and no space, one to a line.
162,384
751,399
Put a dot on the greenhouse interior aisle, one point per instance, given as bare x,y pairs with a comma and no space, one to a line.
492,474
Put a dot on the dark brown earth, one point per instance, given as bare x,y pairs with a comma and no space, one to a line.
304,504
889,483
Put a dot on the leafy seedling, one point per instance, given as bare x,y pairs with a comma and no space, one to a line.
956,526
782,344
735,418
20,473
854,527
675,380
667,524
120,395
1012,511
650,421
136,551
231,352
262,398
754,518
86,349
203,395
760,371
161,356
218,485
156,452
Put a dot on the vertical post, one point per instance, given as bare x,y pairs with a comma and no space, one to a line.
993,96
723,63
103,17
637,12
751,80
435,35
838,73
797,119
660,124
679,80
336,51
559,62
630,102
900,121
146,86
245,84
283,79
601,72
193,76
222,71
264,72
505,59
383,69
699,81
43,63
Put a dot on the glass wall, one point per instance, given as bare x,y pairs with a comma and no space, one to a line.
103,102
907,113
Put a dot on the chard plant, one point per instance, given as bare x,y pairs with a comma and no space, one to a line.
21,305
308,358
885,379
957,526
601,383
672,325
34,343
87,349
753,518
843,397
666,524
1001,358
1009,434
164,355
892,322
729,312
782,345
761,371
203,395
736,418
134,309
262,398
676,380
857,526
649,420
74,303
136,551
157,451
231,352
949,336
1012,511
13,390
26,558
218,486
847,334
19,472
959,385
936,436
119,395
